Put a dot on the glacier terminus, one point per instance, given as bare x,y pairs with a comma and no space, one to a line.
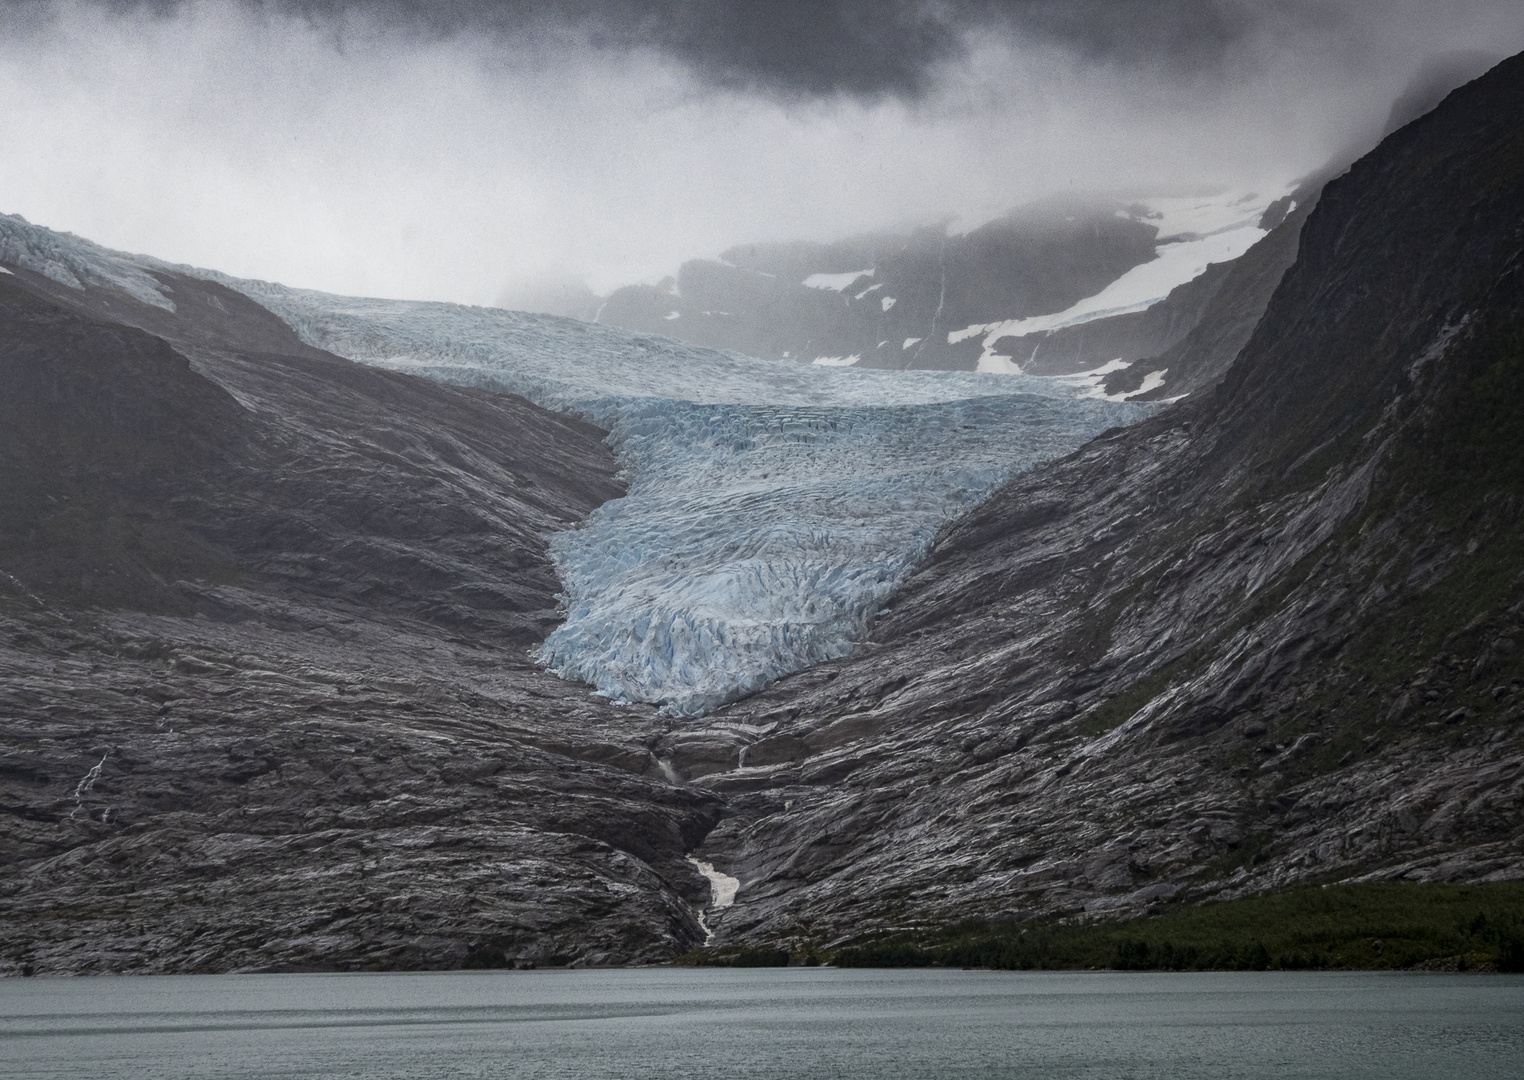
772,507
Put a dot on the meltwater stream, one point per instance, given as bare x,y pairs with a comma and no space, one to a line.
772,507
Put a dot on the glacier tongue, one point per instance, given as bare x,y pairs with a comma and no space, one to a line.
772,507
757,540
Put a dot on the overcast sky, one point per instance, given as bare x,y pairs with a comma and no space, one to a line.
448,149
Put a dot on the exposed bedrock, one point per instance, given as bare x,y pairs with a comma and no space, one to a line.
265,690
266,695
1269,636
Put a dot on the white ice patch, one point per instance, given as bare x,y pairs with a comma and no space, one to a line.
1194,233
993,363
909,342
837,361
887,302
3,270
1089,383
870,288
835,282
1200,215
1141,287
772,507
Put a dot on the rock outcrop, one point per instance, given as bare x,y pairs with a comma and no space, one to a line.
1270,636
266,698
890,301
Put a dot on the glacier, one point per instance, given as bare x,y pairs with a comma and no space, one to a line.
772,507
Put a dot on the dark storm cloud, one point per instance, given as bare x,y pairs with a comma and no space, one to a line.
454,148
860,48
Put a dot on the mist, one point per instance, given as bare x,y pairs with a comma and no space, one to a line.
358,151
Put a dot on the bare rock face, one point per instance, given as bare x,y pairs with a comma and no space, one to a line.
265,693
1268,637
1037,259
265,616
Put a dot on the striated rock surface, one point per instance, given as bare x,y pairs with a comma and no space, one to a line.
266,696
1269,636
266,699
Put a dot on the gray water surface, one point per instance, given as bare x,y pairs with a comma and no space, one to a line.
730,1025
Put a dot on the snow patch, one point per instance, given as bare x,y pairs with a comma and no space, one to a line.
887,302
1141,287
909,342
837,361
1194,233
1200,215
1092,383
1089,383
835,282
869,289
993,363
669,316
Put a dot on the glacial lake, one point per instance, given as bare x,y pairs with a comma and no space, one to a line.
729,1025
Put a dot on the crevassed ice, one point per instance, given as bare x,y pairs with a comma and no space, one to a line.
756,540
772,507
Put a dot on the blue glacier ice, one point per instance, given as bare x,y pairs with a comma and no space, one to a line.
772,507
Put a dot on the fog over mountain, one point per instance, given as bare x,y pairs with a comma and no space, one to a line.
470,151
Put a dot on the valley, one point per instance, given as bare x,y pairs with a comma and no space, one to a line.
306,598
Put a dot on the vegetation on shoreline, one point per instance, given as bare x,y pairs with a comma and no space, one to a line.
1376,926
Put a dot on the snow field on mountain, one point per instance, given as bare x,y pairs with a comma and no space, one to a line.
1193,234
772,507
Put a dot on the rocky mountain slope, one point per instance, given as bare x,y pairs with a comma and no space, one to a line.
908,300
1269,636
266,615
267,699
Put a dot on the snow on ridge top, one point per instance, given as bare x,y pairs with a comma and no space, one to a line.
1141,287
835,282
1202,215
1206,230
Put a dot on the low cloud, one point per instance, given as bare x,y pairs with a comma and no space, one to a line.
450,150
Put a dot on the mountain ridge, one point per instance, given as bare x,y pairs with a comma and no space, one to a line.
1169,665
1267,636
